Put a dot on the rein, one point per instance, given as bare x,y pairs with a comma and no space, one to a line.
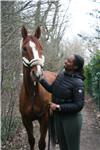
49,113
33,93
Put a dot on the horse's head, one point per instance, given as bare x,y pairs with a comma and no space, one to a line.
32,52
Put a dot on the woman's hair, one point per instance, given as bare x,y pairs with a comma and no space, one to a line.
79,62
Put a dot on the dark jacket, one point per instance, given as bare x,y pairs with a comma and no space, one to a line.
67,91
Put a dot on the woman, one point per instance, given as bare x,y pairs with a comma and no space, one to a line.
67,101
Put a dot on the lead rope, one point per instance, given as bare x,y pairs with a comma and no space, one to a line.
49,114
49,128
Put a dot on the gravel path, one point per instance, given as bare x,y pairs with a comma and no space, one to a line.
90,135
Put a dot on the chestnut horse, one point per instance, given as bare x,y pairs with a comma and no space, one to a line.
34,99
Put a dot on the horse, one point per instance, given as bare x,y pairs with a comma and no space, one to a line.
34,99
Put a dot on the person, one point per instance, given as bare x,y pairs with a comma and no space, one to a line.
67,102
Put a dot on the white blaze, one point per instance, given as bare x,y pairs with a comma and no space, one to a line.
36,56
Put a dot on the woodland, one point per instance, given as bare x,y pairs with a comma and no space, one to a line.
53,21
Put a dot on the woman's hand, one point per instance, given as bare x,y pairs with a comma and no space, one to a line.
54,106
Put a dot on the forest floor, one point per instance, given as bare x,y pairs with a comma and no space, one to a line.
90,134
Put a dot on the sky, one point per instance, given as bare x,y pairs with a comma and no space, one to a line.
80,21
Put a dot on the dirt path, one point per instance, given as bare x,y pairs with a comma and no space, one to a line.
90,135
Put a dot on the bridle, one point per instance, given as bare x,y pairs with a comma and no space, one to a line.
33,62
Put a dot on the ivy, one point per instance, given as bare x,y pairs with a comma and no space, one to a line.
92,73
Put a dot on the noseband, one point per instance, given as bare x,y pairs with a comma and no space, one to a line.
33,62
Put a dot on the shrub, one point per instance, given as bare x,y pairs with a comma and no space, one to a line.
92,73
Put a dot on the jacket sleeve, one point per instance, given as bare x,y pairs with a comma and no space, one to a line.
77,103
46,85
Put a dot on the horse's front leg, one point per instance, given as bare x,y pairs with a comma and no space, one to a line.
43,130
29,128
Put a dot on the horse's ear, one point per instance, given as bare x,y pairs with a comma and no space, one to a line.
37,32
24,32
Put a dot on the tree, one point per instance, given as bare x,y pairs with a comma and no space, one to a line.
93,41
49,16
10,67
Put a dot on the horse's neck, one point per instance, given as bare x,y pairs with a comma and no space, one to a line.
28,83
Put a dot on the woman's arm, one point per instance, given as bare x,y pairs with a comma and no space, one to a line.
46,85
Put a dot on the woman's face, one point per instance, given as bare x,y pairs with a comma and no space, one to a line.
69,63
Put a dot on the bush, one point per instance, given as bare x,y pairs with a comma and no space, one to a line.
8,128
92,73
88,81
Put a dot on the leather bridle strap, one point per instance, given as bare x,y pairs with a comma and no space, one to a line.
33,62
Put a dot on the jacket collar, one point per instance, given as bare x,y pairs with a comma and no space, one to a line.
73,75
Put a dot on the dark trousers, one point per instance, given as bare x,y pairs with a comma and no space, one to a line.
68,129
